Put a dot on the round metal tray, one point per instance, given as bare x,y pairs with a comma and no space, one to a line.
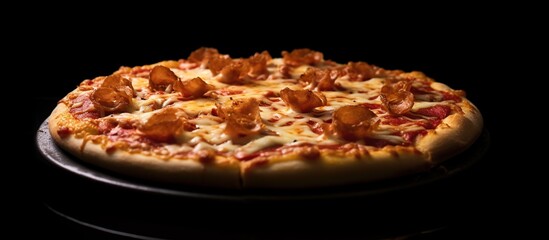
56,156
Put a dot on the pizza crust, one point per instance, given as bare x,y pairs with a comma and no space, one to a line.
189,172
295,172
455,134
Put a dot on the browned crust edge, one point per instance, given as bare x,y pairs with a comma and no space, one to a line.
295,172
189,172
454,135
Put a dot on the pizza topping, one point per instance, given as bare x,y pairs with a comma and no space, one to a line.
384,73
234,73
320,79
187,65
255,148
225,91
302,56
455,95
161,77
316,127
108,124
258,64
202,55
111,100
138,71
437,111
193,88
218,62
83,107
411,136
302,100
284,71
165,125
396,97
64,132
242,118
87,85
113,96
426,94
119,83
353,122
359,71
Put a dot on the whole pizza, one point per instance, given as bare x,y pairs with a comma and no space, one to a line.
262,122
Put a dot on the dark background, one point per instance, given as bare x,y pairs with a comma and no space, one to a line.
458,50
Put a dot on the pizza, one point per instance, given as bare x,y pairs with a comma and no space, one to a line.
296,121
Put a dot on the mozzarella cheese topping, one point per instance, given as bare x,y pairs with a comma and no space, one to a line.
291,127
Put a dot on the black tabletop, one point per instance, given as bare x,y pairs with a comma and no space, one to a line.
64,204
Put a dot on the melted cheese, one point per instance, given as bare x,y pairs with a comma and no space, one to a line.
291,127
